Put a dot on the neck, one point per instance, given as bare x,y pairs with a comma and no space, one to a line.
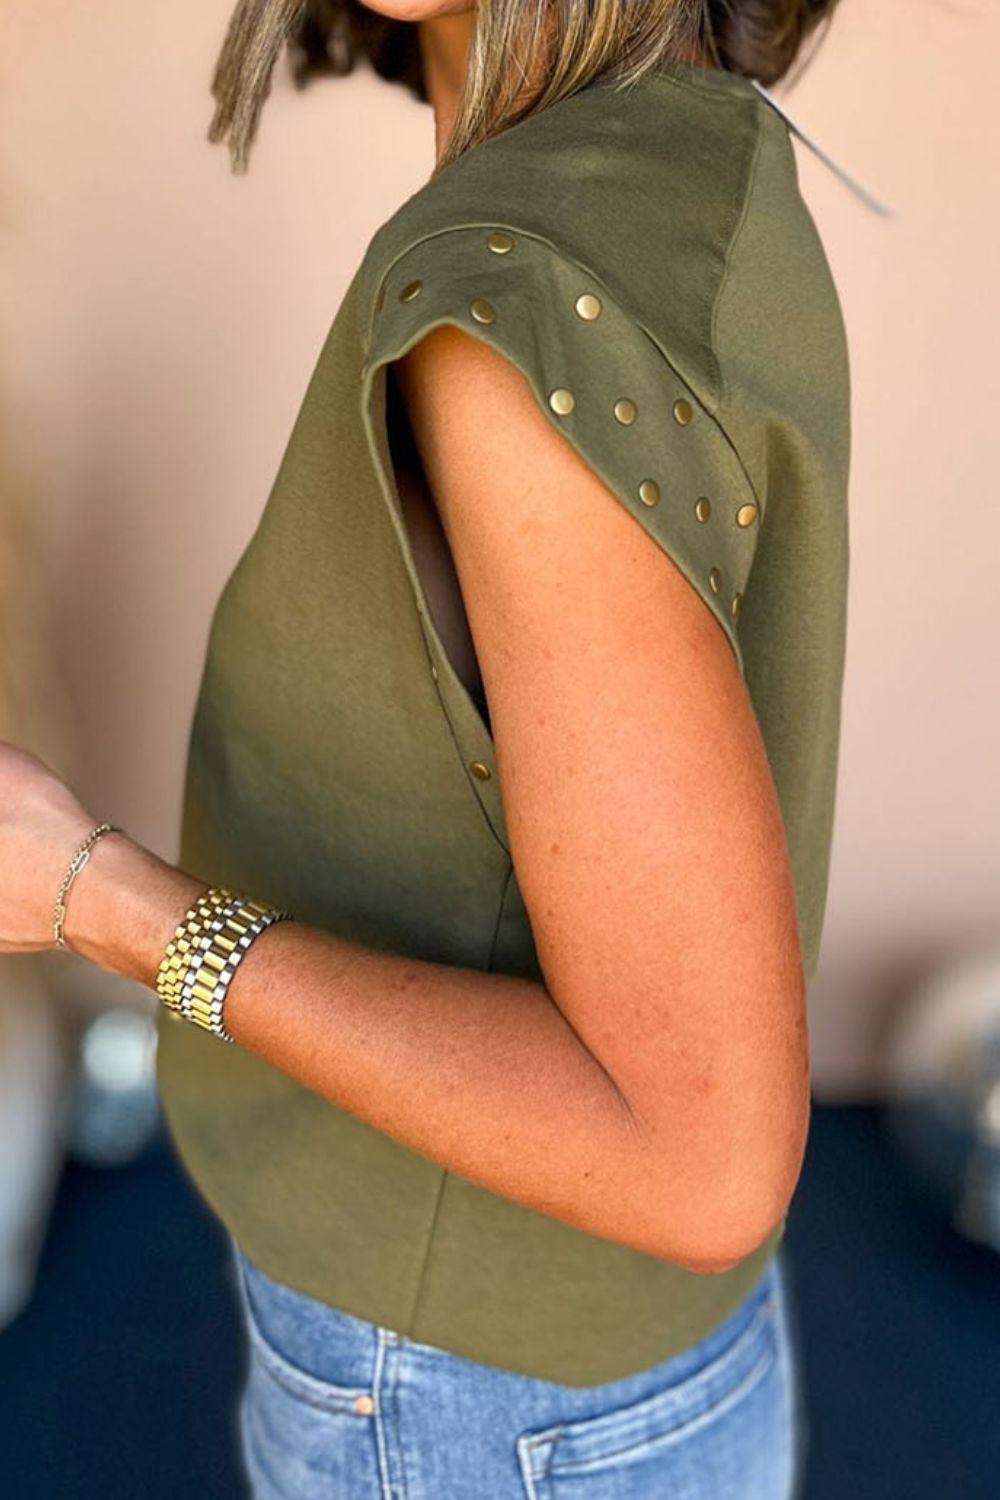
444,45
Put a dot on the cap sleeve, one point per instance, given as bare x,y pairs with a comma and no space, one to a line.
599,377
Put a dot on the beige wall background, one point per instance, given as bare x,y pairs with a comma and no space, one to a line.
159,319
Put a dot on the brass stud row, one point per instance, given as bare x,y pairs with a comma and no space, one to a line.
562,401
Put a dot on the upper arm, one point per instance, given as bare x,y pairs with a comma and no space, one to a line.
643,820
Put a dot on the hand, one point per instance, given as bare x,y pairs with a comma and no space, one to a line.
41,825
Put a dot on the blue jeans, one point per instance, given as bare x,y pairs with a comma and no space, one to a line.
337,1408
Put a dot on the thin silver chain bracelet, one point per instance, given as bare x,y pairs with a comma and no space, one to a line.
76,864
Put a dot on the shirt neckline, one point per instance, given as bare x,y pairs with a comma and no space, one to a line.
715,80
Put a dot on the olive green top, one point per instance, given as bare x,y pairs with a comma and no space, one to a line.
338,765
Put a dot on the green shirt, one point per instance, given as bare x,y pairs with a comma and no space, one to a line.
338,765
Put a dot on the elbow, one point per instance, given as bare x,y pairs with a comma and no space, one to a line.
726,1246
716,1231
734,1214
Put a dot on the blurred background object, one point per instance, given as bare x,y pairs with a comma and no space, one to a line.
32,1077
159,319
943,1063
35,1041
113,1110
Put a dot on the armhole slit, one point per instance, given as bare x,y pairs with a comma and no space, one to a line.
428,546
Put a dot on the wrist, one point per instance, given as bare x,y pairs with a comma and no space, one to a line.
124,907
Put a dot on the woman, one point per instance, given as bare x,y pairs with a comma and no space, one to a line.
523,702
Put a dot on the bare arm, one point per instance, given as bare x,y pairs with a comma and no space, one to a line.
654,1090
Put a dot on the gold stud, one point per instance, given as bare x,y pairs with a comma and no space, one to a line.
746,515
499,241
703,507
649,492
364,1404
434,672
562,401
714,580
626,411
683,411
734,608
482,311
410,290
479,770
588,306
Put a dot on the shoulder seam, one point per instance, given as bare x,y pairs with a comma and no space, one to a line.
744,214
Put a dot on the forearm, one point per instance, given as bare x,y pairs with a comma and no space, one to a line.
479,1072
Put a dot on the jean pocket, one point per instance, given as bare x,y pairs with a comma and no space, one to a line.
720,1433
302,1437
320,1392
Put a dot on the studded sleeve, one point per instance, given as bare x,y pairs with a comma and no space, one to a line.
600,377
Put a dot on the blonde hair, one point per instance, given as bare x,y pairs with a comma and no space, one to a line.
523,54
